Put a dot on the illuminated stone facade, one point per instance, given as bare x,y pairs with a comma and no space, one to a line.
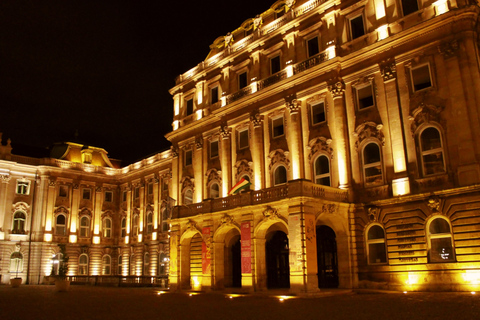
357,124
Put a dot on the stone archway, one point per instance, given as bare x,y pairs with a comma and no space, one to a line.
327,261
277,260
227,256
190,259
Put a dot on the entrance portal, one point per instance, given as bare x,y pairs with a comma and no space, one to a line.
278,270
236,264
327,258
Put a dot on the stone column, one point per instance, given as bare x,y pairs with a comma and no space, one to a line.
197,170
260,264
246,233
74,212
294,134
226,158
129,214
52,193
400,182
174,183
4,179
257,150
141,220
156,205
340,133
97,213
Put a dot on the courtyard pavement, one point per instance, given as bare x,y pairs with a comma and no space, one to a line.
84,302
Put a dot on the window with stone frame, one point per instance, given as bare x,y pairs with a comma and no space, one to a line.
277,127
312,46
146,264
214,190
124,227
23,187
213,149
275,64
409,6
188,196
372,165
214,97
189,106
376,245
440,241
84,226
280,175
107,227
120,265
188,158
321,171
19,220
86,194
135,228
83,265
364,96
63,191
60,225
149,222
150,188
318,112
421,77
242,80
243,139
432,153
106,265
108,196
357,26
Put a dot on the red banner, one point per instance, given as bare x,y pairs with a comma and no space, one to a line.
246,237
206,264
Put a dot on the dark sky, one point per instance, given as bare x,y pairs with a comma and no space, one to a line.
103,67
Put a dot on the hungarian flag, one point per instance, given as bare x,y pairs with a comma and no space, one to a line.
242,184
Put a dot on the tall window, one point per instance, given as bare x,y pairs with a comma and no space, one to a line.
280,175
137,192
243,139
376,249
135,225
372,165
213,95
124,227
146,265
63,191
214,190
149,223
86,194
312,47
120,265
421,77
83,265
189,104
188,197
23,187
357,28
124,196
318,112
440,241
16,262
150,189
18,223
188,158
106,265
409,6
432,151
108,196
84,226
322,170
107,228
275,65
162,264
213,149
242,80
60,225
364,97
277,127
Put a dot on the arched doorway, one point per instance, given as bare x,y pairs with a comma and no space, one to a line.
276,251
327,258
196,261
233,263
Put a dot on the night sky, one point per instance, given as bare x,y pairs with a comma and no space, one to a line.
103,68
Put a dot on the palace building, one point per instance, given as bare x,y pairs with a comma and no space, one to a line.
352,128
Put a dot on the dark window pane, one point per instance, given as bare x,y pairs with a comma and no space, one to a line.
376,232
189,107
318,113
277,127
431,139
213,149
321,165
377,253
275,64
371,153
325,181
188,157
280,175
365,97
356,26
442,250
409,6
243,139
439,226
421,78
242,80
214,95
312,45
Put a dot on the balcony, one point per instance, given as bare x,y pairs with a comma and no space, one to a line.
296,188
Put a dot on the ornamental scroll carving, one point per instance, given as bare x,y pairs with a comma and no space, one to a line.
425,114
187,182
226,219
373,213
319,144
278,156
243,167
388,69
434,203
4,178
225,131
293,104
174,152
20,206
213,175
256,118
369,130
199,142
448,49
336,87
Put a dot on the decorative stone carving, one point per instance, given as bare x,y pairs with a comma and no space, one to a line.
329,208
257,22
318,145
369,130
336,87
434,203
448,49
52,182
199,142
424,114
187,182
98,189
388,69
61,210
243,167
226,219
278,156
270,213
192,225
373,213
20,206
5,178
292,103
85,212
225,131
228,40
213,175
289,4
174,152
256,119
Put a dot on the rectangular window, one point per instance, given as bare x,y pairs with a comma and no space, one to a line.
188,157
137,192
108,196
242,80
213,149
421,78
213,95
275,65
277,127
86,194
63,191
23,187
357,28
189,106
243,139
124,196
150,189
409,6
364,97
318,112
312,47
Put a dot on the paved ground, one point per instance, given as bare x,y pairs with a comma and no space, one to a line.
83,302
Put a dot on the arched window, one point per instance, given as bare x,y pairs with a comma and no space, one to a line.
16,262
84,226
124,227
280,176
83,265
106,265
18,223
162,264
135,225
432,151
188,197
107,228
322,170
214,190
60,225
376,248
146,265
120,265
440,241
149,223
372,165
